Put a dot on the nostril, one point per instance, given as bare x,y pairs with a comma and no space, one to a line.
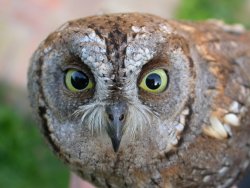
111,117
121,117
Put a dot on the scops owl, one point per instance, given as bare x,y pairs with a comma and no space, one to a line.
134,100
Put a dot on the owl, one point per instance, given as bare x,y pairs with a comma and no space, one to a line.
135,100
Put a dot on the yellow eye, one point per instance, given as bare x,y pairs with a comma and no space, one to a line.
155,81
76,80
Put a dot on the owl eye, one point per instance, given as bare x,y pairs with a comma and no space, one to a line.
155,81
76,80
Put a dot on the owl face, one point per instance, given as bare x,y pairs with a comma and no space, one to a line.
111,83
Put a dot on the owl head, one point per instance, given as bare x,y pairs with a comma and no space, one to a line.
104,86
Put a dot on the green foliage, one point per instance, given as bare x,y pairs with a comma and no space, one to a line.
25,161
230,11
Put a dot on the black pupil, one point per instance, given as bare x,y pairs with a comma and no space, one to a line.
153,81
79,80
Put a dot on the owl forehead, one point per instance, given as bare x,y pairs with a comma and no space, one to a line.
117,52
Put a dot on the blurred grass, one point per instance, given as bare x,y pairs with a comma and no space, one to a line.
25,160
231,11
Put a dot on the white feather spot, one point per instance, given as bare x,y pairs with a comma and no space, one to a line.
185,112
216,130
206,178
217,126
136,29
223,170
179,127
182,119
232,119
166,28
234,107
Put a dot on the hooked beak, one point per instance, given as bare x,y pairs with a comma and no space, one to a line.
116,113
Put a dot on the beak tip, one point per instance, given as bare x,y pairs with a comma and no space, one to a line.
116,144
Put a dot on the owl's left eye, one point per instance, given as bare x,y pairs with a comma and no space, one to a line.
155,81
76,80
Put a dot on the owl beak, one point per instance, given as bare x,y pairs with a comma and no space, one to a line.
116,119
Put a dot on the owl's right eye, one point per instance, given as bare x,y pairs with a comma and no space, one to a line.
76,80
155,81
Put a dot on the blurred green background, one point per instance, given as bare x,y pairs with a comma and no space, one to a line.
25,159
231,11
